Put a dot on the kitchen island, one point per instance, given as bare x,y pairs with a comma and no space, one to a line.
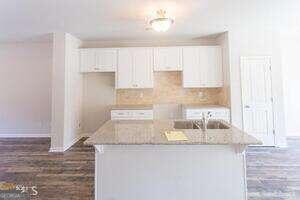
135,161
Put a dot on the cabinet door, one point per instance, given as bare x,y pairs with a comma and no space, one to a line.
167,59
191,68
210,62
142,68
124,69
87,60
106,60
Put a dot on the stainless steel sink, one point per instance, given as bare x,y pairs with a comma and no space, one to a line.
185,125
212,124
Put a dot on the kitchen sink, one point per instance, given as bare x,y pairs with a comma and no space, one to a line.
212,124
185,125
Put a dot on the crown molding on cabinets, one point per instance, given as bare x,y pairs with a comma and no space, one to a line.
149,43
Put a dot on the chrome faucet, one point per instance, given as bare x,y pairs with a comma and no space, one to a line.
205,119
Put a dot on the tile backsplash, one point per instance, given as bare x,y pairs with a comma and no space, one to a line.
168,89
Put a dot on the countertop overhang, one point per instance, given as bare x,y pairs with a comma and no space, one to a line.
152,132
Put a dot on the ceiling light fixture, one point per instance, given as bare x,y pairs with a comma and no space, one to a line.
161,23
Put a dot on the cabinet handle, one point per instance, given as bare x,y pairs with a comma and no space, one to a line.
246,106
96,68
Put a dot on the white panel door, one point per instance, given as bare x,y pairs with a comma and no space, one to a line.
142,67
87,60
167,59
106,59
191,70
257,98
210,63
125,69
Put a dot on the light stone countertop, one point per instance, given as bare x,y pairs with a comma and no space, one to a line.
132,107
151,132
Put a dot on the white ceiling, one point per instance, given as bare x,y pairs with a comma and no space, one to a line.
126,19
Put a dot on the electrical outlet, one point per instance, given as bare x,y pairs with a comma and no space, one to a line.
201,95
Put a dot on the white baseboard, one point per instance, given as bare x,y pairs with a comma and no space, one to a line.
67,146
56,149
24,133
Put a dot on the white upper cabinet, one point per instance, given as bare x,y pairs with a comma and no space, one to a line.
202,67
211,69
106,59
124,69
98,60
142,67
191,69
87,60
135,68
168,59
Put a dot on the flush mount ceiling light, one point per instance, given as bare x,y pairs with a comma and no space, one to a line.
161,23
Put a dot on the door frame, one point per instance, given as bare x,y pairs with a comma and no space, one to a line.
242,58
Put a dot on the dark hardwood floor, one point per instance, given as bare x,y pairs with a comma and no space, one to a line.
272,173
59,176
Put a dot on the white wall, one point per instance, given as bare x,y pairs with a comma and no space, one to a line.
66,92
25,97
99,94
257,41
73,95
58,92
290,44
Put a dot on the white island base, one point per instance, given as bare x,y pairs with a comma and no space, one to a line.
170,172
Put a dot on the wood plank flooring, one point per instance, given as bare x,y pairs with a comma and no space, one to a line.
272,173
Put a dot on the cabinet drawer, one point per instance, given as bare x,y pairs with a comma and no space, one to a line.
194,114
132,114
219,113
121,114
143,114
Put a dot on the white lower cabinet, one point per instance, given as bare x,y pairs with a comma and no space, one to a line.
221,113
135,68
132,115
